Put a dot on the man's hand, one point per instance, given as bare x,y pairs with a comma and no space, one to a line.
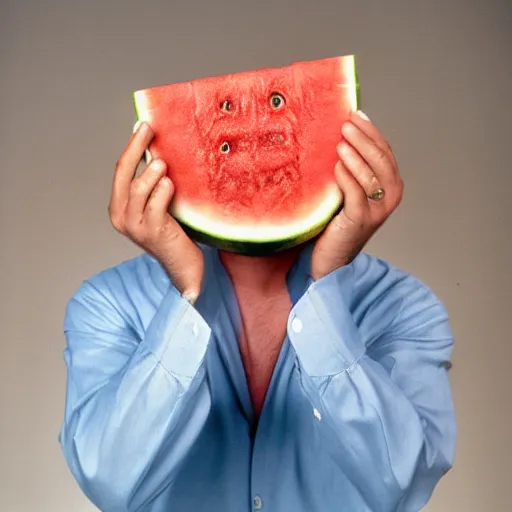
368,177
139,209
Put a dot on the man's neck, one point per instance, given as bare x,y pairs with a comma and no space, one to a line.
259,275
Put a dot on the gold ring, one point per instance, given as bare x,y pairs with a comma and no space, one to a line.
377,195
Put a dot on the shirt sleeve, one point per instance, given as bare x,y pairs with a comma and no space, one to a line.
128,399
374,368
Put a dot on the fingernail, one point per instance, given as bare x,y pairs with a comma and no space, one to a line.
347,127
361,114
136,126
343,147
156,165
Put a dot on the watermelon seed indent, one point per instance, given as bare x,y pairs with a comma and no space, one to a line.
226,105
225,147
277,100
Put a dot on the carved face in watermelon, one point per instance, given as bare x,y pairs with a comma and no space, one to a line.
252,154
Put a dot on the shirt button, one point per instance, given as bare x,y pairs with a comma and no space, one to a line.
258,504
195,330
296,325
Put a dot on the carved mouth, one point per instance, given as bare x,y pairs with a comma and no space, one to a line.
260,190
255,170
273,140
230,144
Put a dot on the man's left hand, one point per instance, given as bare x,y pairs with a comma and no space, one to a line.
367,174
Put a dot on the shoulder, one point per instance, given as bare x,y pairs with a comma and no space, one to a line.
398,302
126,294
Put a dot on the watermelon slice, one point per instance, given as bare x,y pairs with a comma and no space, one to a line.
252,154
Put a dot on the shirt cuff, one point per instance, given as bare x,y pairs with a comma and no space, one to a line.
178,336
321,327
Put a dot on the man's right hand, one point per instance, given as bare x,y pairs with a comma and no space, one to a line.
139,209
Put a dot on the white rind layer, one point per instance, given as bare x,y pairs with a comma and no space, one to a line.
205,221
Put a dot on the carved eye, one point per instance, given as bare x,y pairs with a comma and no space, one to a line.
225,147
226,105
277,101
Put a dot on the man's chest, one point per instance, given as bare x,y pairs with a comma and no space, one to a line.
263,330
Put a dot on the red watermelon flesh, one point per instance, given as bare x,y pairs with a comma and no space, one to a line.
252,154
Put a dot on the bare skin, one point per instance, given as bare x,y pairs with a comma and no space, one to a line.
139,210
262,295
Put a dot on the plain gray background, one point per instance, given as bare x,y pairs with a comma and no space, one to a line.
436,78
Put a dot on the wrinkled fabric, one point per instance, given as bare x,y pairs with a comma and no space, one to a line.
358,416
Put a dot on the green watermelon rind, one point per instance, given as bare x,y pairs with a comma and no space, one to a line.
260,246
252,247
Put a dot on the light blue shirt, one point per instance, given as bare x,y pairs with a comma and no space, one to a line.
358,416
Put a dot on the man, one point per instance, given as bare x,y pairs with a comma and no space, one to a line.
313,380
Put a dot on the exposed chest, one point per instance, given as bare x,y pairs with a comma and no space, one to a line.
260,341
